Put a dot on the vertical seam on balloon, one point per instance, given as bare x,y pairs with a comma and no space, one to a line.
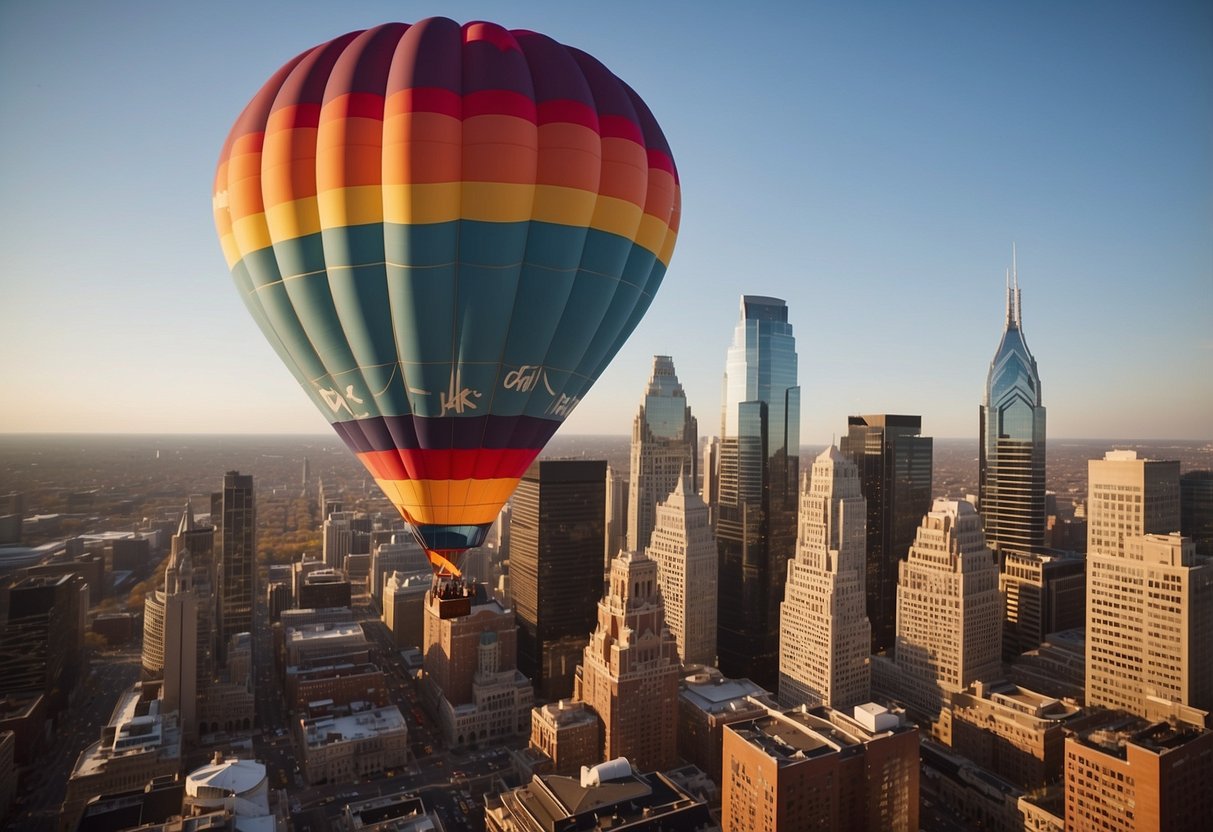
580,366
511,441
356,365
584,241
254,296
393,425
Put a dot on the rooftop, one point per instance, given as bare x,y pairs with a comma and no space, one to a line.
364,725
1113,738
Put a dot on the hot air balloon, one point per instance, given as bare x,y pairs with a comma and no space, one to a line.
446,232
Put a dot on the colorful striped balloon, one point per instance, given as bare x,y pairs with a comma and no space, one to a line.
446,232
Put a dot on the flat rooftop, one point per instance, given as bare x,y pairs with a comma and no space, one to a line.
364,725
1158,737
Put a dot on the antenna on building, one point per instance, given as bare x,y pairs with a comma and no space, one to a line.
1015,280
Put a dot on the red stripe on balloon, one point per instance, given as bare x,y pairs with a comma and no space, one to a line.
448,464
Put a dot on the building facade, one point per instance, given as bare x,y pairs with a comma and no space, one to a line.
707,702
949,612
824,635
895,469
821,769
344,748
170,641
629,672
758,473
1042,594
43,636
665,444
471,672
684,549
1139,776
234,511
567,732
1148,601
1011,453
557,526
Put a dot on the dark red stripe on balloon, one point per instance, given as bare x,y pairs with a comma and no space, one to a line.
385,433
354,105
661,161
567,112
498,102
619,127
448,464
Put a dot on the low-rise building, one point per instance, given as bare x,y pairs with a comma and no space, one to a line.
400,812
982,798
1056,668
611,790
801,769
1135,774
344,684
138,744
346,747
567,732
1014,732
332,641
707,701
240,787
1044,810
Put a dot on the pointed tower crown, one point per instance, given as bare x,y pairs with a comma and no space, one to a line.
187,523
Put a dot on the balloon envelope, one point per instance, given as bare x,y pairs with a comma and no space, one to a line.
446,232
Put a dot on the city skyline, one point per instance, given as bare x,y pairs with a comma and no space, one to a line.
892,153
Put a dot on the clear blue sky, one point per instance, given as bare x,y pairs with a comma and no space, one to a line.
870,163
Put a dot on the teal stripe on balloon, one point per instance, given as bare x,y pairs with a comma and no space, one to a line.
524,332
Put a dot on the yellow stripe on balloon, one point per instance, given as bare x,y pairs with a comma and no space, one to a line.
449,502
431,203
357,205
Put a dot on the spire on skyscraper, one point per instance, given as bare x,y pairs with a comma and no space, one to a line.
187,518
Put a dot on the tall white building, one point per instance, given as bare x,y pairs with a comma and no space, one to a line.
684,548
170,640
824,633
665,442
949,611
1149,597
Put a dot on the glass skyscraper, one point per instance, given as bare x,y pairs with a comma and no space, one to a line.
665,445
233,512
895,465
757,502
1011,478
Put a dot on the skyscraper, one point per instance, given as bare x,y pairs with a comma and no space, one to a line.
665,444
895,467
170,640
629,672
1149,596
759,464
199,541
1011,462
557,523
233,511
949,612
823,631
684,548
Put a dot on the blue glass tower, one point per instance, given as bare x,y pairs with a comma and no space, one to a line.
665,441
757,504
1011,479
